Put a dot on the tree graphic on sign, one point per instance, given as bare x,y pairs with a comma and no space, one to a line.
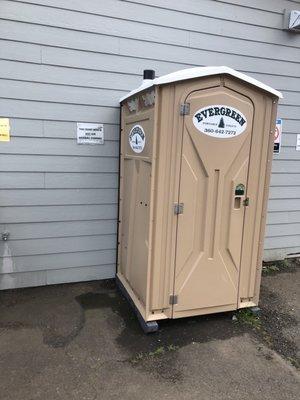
221,123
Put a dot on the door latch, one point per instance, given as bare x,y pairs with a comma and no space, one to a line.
185,109
173,299
246,202
178,208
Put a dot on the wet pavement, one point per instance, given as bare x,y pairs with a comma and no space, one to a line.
82,341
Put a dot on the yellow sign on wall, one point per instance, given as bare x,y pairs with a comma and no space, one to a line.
4,130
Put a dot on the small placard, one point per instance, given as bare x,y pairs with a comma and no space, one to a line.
4,130
90,133
277,136
298,142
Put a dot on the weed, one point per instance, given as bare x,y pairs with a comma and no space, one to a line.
270,269
274,267
137,358
294,362
172,347
246,316
157,352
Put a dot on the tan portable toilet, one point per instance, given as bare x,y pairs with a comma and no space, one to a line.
195,162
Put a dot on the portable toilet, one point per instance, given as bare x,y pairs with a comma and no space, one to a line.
195,161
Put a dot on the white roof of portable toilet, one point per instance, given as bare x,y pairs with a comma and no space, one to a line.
198,72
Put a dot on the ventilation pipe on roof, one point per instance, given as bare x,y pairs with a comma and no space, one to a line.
148,75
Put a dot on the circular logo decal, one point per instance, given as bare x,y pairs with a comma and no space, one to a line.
137,139
220,121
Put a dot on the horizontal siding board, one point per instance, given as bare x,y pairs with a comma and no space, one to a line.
280,83
40,230
58,261
97,28
57,213
40,278
284,204
291,112
81,180
80,274
285,179
134,54
289,139
24,52
61,129
12,89
9,162
286,166
188,55
238,46
58,147
54,129
130,64
101,33
190,21
285,192
280,254
24,32
226,11
57,111
26,127
291,97
273,6
40,197
119,80
147,14
288,154
283,217
25,279
53,245
21,180
68,76
291,125
282,242
283,230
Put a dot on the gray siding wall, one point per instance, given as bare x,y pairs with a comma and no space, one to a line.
68,61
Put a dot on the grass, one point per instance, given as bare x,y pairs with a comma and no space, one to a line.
276,266
246,316
159,351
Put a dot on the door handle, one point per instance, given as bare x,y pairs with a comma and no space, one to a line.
246,202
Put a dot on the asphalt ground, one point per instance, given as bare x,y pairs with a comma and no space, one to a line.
82,341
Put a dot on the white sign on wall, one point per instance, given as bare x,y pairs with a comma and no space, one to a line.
220,121
298,142
90,133
277,136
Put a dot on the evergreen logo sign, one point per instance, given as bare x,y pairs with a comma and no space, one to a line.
137,138
220,121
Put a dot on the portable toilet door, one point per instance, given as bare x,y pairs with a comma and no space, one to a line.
208,168
214,173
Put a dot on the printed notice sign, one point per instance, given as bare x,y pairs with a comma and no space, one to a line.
89,133
4,130
277,136
298,142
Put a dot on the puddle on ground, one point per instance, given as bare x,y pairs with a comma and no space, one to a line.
172,333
